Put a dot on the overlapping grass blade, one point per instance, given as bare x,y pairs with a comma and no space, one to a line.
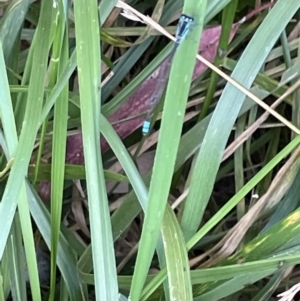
89,61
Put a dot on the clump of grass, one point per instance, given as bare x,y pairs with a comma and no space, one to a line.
208,204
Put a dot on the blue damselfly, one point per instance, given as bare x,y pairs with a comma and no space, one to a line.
182,30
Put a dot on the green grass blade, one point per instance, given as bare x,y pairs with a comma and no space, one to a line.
58,62
89,61
8,121
179,279
167,147
29,246
29,130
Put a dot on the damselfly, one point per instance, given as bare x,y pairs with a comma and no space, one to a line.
182,30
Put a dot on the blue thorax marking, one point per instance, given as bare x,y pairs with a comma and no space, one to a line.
183,27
